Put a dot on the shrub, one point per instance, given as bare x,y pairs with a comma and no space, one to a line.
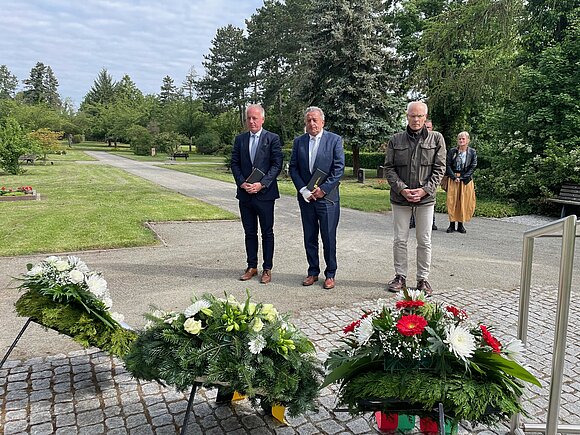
209,143
367,160
169,142
140,140
78,138
13,143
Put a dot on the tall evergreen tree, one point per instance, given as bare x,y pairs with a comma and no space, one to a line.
350,70
8,83
42,86
126,90
169,92
102,91
226,80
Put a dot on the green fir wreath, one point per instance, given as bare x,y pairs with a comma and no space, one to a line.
247,346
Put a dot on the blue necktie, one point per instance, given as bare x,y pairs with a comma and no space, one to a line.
253,140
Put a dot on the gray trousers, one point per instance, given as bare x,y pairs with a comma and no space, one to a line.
423,224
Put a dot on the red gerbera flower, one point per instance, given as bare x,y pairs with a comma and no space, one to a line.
411,325
490,340
401,305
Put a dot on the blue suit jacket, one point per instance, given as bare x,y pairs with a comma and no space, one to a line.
330,159
268,159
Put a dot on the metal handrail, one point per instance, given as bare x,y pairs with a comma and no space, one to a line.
567,226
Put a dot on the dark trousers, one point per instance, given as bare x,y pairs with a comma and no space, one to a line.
320,216
252,212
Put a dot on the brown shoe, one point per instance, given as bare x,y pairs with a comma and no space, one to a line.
266,276
249,273
309,280
425,287
397,284
329,283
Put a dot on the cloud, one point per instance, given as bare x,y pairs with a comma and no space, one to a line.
145,39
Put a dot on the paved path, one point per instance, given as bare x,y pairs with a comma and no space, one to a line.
50,385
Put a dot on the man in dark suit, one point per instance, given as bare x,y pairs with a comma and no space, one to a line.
319,204
257,153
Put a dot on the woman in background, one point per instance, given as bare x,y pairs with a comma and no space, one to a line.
461,162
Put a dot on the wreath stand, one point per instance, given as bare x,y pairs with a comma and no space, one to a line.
277,411
226,396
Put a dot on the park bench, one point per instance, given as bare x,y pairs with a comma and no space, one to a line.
174,156
569,197
27,158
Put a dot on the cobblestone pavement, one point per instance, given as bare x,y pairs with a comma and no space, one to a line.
88,392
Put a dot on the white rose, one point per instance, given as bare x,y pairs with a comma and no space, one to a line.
61,265
192,326
76,276
257,324
269,312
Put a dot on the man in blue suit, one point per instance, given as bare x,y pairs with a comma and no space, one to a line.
256,162
319,203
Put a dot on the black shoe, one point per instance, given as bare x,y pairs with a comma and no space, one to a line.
461,229
412,225
434,227
451,228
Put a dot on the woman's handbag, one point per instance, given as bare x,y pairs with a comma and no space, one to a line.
444,182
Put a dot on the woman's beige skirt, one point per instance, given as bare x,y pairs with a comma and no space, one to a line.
460,201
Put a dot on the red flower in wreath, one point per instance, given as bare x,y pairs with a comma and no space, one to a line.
352,326
411,325
460,314
489,339
401,305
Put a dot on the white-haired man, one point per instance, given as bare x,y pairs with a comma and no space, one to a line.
414,166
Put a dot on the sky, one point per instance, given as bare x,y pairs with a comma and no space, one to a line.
146,39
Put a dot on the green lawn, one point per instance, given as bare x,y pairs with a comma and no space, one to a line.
86,206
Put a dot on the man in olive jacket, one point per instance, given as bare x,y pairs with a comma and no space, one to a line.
414,167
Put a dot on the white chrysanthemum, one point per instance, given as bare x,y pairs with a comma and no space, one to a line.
35,271
77,263
460,341
192,326
257,345
415,295
196,307
514,350
61,265
97,285
76,276
365,330
52,259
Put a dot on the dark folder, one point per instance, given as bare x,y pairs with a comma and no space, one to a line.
317,179
255,176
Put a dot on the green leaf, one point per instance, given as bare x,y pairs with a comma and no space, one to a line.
508,366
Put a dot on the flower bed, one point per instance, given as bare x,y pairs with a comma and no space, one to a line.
246,346
24,193
64,295
419,354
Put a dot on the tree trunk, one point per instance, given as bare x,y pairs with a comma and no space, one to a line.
355,159
190,143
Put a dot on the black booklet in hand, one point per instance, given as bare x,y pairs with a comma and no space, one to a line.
255,176
317,179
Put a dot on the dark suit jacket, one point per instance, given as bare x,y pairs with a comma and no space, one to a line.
268,159
330,159
467,170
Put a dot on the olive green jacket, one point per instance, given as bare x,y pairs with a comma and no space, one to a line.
407,169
